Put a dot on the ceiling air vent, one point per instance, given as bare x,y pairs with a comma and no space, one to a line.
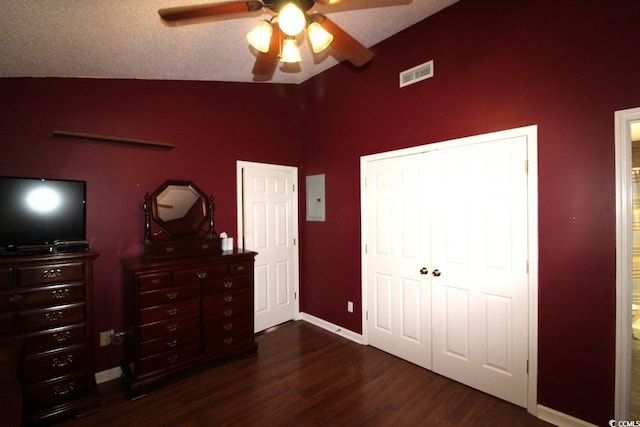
416,74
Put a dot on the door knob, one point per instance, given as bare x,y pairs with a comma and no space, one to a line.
436,273
424,270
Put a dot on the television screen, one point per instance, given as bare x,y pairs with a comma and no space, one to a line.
37,212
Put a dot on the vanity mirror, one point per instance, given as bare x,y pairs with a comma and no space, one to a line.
181,210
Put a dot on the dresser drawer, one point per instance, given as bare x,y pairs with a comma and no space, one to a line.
227,326
169,311
197,275
40,319
19,299
243,267
222,313
168,248
5,278
169,358
56,392
53,273
54,338
169,342
168,327
150,282
225,344
225,285
226,298
55,363
166,296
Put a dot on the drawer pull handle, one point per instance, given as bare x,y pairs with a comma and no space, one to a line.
228,284
172,327
240,268
169,249
15,298
172,359
172,311
59,362
201,274
155,281
51,273
172,343
53,316
228,326
228,340
60,293
228,312
62,336
228,298
205,246
172,295
61,390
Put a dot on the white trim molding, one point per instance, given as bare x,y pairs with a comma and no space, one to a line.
338,330
561,419
108,375
624,287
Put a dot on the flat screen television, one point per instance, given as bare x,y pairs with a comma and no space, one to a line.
37,212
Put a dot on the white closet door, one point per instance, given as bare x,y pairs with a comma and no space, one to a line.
399,313
461,214
479,246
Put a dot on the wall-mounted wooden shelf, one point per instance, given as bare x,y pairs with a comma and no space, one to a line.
114,139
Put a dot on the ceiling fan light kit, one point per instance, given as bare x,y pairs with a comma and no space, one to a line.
260,36
290,52
292,20
319,38
277,38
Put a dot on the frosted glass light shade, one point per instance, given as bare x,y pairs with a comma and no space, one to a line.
290,51
291,20
260,36
319,38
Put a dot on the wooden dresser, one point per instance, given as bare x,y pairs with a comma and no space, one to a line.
185,311
46,304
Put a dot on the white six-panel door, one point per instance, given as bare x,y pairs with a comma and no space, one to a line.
268,224
479,246
446,262
399,309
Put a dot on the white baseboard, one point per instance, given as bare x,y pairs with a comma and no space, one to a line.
338,330
108,375
560,419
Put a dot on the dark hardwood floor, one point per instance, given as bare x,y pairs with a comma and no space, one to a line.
306,376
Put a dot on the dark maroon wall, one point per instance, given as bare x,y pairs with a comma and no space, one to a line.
565,66
211,124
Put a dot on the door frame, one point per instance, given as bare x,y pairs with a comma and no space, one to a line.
624,242
240,165
531,133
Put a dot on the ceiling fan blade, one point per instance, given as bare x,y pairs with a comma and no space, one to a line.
345,45
266,61
209,9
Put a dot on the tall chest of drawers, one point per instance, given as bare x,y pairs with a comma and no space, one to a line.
46,303
183,312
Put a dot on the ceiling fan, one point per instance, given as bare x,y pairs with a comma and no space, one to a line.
276,39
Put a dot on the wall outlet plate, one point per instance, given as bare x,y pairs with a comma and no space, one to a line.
350,306
105,338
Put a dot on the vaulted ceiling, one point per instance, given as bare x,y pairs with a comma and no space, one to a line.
127,39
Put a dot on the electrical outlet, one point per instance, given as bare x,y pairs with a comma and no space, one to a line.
105,338
350,306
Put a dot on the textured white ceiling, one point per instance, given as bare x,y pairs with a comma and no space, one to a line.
127,39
